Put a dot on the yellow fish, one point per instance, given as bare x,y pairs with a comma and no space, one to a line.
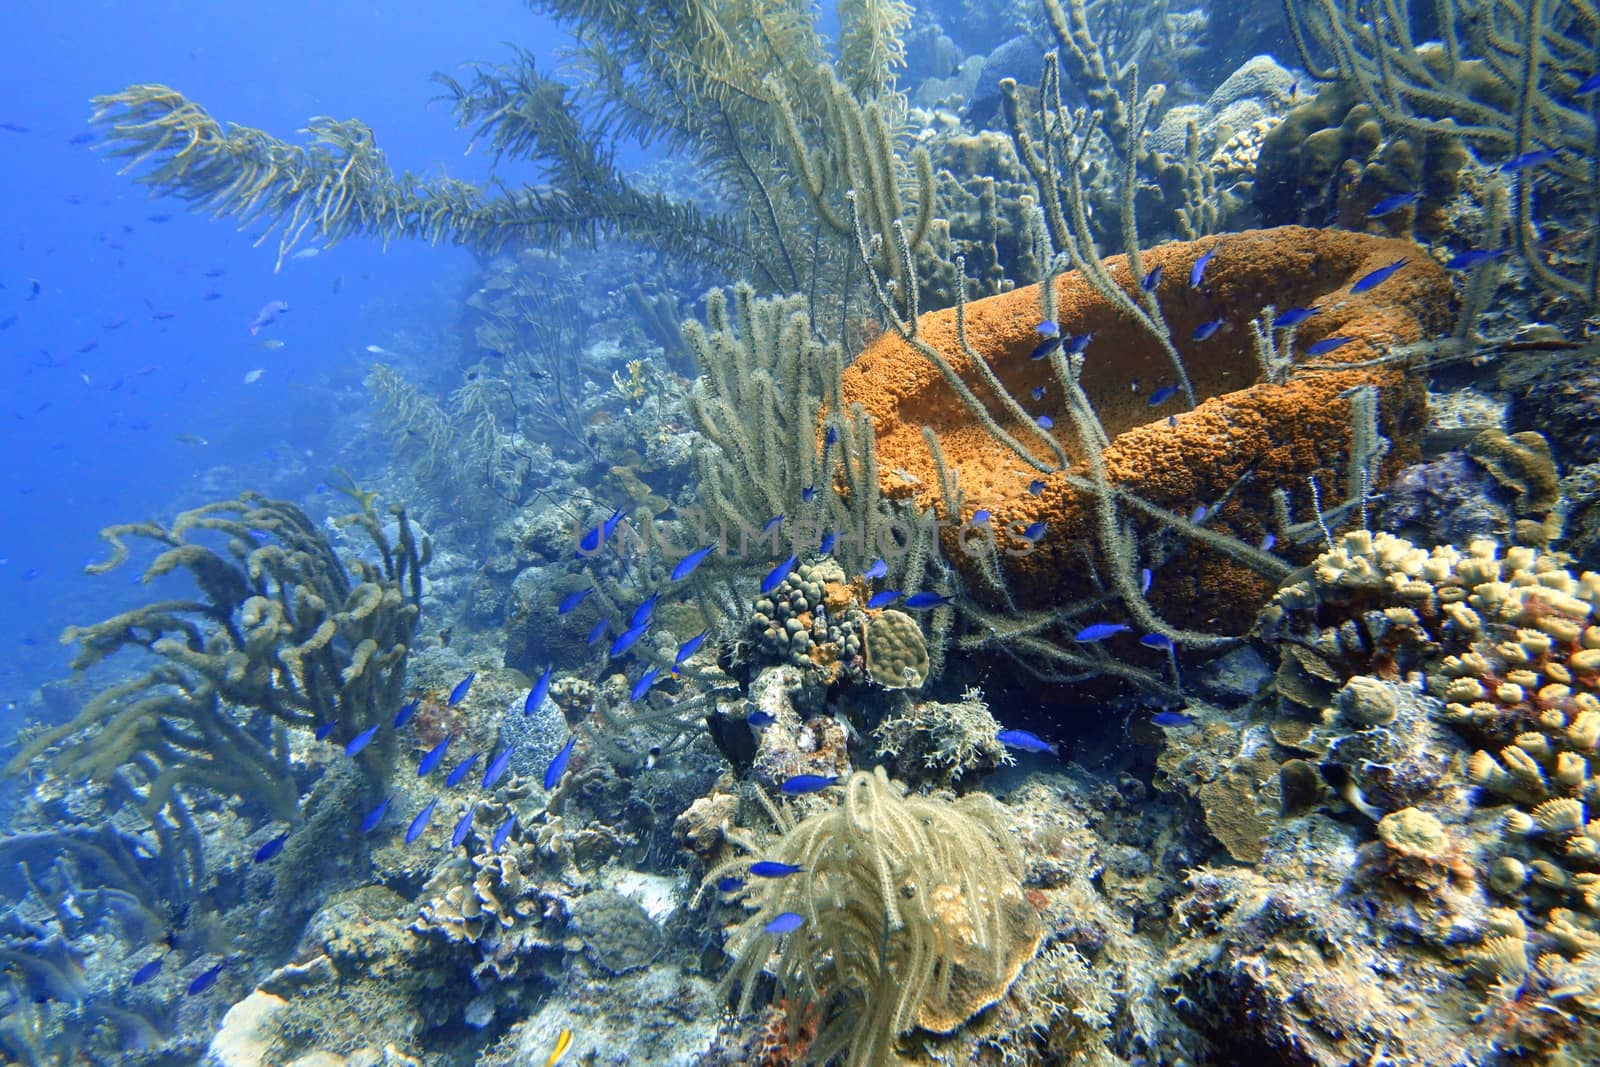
563,1042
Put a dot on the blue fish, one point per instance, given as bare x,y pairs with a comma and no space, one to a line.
591,542
1206,329
777,574
831,438
420,823
689,648
1045,347
729,884
1268,541
503,832
459,771
980,516
540,690
1144,579
206,979
642,686
1156,641
1078,342
808,494
572,600
1034,532
1293,317
360,741
558,766
1199,514
1151,280
1098,632
496,770
148,971
626,640
325,729
883,599
1392,203
1162,395
375,816
801,784
642,613
405,713
1587,86
878,569
609,527
1198,271
1036,487
1171,718
760,718
1473,257
1023,741
1527,160
1046,421
1372,279
688,563
272,848
1326,345
829,539
463,826
598,632
1172,420
433,758
925,600
772,524
459,693
785,923
1048,328
772,869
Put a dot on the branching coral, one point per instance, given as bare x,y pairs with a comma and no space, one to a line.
282,638
913,916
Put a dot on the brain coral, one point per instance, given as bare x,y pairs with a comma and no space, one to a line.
1246,437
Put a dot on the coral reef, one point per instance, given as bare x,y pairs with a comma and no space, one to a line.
946,745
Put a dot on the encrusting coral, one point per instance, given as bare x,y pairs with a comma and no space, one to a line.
912,915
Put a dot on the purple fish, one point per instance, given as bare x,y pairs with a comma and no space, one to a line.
558,766
1098,632
375,816
267,315
1326,345
420,823
497,769
800,784
459,771
360,741
1372,279
1024,741
773,869
463,825
785,923
1292,317
777,574
540,690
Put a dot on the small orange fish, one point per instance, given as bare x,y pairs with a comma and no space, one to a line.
563,1042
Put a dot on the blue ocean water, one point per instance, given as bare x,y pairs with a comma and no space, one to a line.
98,387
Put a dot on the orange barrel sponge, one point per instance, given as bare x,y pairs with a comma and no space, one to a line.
1245,438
